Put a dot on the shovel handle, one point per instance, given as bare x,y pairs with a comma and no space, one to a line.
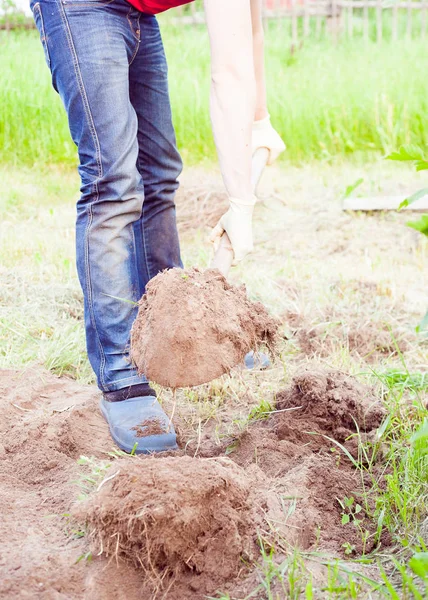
223,258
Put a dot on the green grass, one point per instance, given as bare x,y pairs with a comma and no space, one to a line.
402,499
41,312
326,101
405,380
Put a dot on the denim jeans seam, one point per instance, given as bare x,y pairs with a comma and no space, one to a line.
90,294
95,185
138,39
43,36
144,244
135,254
82,90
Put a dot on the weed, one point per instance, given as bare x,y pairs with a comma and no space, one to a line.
415,155
403,380
87,557
348,548
262,411
350,510
93,475
352,187
402,500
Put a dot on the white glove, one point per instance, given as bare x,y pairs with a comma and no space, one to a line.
265,136
237,222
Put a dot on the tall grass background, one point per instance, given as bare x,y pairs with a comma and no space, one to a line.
326,100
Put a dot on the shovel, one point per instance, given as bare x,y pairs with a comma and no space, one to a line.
224,256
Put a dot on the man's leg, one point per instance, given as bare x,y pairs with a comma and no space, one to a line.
90,46
158,159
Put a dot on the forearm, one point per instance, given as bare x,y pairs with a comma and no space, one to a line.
233,91
259,60
232,133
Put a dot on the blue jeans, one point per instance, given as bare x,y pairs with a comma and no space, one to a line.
108,65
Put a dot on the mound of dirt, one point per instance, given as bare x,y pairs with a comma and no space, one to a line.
176,515
306,469
193,326
329,403
46,423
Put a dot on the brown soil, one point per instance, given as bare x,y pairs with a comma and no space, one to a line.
305,467
327,403
177,516
46,423
193,326
175,527
149,427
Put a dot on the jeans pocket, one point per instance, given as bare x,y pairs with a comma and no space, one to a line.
38,18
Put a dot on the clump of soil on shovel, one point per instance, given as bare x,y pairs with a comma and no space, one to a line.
174,515
193,326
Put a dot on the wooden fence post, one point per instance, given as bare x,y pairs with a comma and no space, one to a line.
395,21
379,20
424,21
294,25
409,20
334,21
366,22
306,19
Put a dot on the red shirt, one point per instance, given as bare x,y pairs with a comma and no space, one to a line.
153,7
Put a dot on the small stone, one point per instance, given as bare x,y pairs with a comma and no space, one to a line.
195,585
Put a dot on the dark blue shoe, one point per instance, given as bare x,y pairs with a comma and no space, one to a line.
139,423
257,360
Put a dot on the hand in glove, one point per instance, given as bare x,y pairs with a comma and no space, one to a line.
237,223
265,136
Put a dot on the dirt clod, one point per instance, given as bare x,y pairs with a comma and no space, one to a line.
193,326
326,403
174,515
